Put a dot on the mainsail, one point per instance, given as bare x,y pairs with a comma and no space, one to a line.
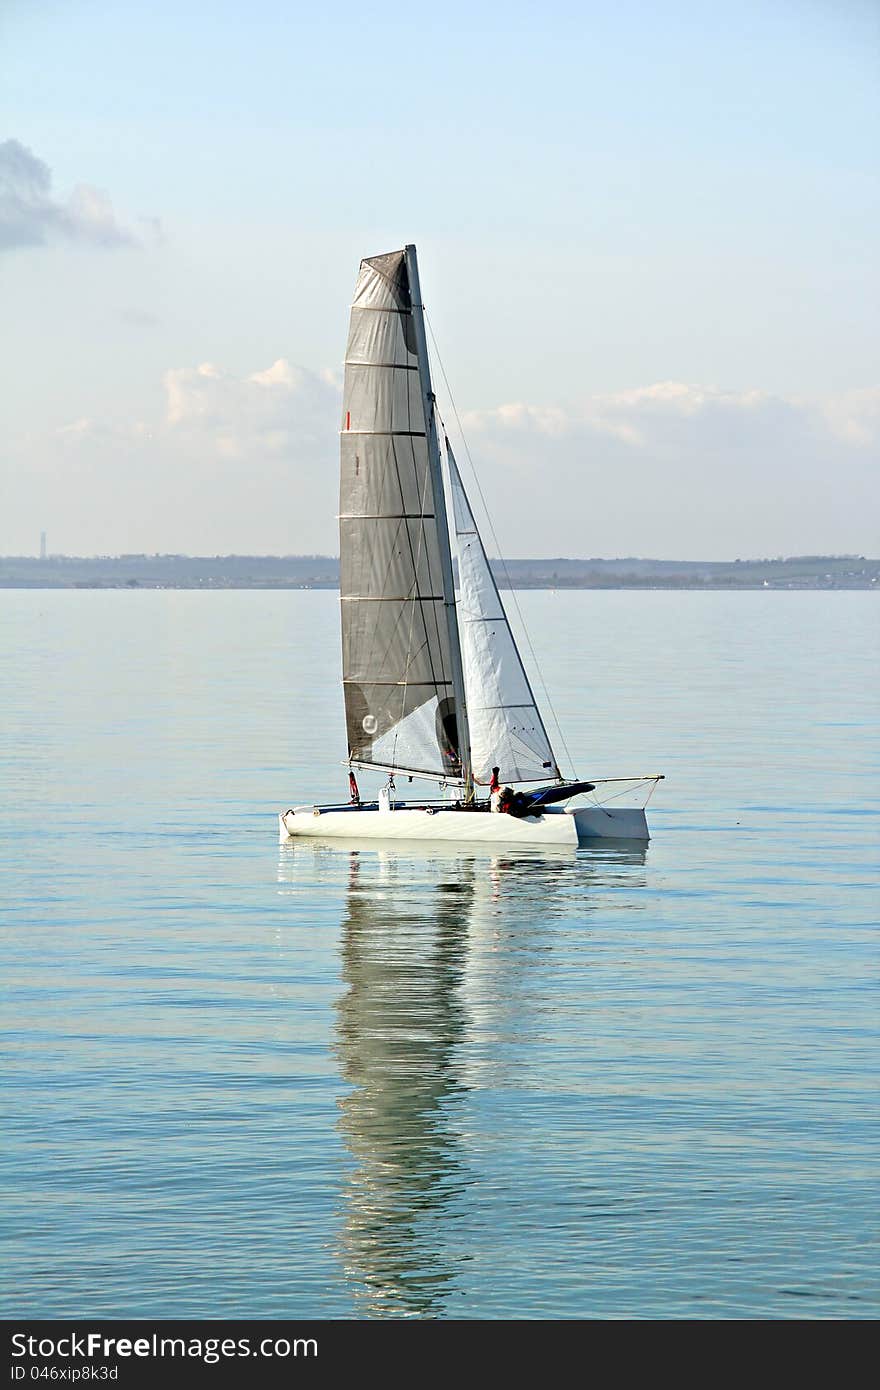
399,640
506,730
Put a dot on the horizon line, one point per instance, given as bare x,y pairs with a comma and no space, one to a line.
495,559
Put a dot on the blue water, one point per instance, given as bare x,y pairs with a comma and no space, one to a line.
246,1079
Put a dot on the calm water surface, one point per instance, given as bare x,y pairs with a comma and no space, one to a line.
246,1079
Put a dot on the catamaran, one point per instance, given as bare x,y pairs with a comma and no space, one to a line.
434,685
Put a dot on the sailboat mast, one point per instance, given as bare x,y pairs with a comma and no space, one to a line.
439,498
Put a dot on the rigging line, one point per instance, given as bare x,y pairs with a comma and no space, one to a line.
615,796
476,543
393,290
437,647
362,573
488,516
426,486
410,656
402,523
413,597
416,561
371,654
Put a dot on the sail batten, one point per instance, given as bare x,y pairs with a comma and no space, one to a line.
397,653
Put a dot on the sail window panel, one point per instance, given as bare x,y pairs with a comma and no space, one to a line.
382,399
380,337
389,558
419,740
384,475
397,727
372,710
395,642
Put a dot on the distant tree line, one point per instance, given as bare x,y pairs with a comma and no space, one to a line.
322,572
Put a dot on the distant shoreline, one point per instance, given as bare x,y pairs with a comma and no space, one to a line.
806,572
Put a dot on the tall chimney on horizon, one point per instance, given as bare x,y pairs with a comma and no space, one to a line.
42,545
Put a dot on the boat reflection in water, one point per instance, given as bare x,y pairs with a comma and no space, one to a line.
401,1025
438,946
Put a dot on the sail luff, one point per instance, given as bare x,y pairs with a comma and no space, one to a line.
436,471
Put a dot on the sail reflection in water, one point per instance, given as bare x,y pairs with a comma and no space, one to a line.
439,956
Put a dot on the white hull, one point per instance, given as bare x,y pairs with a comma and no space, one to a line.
555,826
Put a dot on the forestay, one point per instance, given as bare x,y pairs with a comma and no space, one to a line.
396,658
506,729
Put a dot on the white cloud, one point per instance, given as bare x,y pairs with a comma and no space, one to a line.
249,463
283,409
645,417
682,470
30,216
855,416
231,464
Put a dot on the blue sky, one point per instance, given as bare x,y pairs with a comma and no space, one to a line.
648,237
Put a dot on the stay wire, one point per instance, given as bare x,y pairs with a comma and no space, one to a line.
503,562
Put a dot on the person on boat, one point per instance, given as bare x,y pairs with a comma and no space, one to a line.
494,790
